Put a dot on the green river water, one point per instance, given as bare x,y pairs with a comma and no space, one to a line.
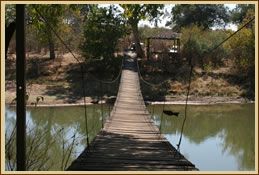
215,137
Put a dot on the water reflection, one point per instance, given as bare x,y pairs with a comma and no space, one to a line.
54,129
218,137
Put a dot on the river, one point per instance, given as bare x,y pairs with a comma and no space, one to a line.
215,137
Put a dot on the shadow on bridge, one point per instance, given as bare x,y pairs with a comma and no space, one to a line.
134,154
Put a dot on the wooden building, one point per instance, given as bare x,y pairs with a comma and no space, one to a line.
167,43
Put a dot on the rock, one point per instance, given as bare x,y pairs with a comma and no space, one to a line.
95,101
111,100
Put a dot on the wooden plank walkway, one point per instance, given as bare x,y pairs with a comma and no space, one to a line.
129,139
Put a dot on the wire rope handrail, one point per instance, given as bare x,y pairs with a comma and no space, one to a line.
148,83
111,81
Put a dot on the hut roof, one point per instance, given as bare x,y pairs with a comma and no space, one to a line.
165,35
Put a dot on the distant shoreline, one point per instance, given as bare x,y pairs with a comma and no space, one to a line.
198,101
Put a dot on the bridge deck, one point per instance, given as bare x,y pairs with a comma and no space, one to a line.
129,139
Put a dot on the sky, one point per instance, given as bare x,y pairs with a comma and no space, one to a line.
167,10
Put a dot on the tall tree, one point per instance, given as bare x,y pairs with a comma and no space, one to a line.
203,15
44,16
133,13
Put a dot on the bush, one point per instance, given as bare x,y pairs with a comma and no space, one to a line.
196,44
243,53
243,50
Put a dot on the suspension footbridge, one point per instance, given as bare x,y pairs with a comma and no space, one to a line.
129,139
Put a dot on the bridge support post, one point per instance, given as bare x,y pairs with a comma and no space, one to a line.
20,89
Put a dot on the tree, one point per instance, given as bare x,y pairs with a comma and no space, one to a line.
102,30
9,31
9,14
202,15
197,42
9,25
133,13
243,52
239,13
49,15
72,31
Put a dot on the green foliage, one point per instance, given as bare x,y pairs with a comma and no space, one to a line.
9,13
243,53
133,13
51,12
43,17
66,20
243,50
196,43
240,12
102,30
71,29
202,15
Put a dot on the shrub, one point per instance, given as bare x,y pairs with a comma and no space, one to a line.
197,44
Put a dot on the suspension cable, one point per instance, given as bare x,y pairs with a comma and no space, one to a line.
148,83
85,110
162,117
154,85
111,81
185,108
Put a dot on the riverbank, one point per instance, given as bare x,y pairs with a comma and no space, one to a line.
180,100
51,96
58,83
